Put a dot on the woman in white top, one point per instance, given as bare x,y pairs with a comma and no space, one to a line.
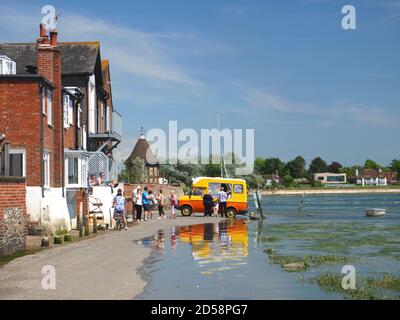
138,204
222,197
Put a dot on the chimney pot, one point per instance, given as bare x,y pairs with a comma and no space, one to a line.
53,38
42,30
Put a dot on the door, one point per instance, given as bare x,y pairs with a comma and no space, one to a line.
196,199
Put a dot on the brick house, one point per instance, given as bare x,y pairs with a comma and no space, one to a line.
54,108
374,177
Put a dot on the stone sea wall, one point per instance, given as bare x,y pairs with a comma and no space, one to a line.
13,228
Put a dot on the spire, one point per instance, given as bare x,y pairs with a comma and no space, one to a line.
141,133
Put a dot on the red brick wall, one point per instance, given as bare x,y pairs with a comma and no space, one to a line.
20,104
82,197
12,194
128,189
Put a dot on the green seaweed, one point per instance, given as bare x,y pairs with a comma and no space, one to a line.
308,260
369,288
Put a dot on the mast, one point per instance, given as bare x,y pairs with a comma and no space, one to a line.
222,163
220,146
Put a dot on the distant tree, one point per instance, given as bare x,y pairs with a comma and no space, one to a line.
259,165
288,180
318,166
395,166
371,164
212,170
297,167
134,172
273,166
254,180
334,167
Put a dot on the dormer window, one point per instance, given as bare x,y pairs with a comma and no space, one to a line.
7,66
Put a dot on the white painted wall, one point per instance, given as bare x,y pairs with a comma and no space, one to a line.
104,194
51,211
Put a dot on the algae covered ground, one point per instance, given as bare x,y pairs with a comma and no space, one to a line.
323,247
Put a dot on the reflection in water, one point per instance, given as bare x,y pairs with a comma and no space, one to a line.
223,243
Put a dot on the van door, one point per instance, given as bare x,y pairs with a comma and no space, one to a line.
196,199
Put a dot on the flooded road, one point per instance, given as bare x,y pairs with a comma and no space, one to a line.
237,260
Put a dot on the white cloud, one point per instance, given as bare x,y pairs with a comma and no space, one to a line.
259,100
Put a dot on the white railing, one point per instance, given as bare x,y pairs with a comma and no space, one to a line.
116,123
100,163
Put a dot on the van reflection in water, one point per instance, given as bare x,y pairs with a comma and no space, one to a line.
225,241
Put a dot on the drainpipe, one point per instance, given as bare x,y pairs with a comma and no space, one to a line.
41,138
62,147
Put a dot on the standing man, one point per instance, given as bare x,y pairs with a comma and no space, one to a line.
146,203
222,197
208,204
160,200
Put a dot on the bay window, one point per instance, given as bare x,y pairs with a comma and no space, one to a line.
76,169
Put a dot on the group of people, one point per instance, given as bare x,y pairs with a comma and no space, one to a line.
144,203
215,205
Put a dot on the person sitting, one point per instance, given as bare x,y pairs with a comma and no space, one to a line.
100,178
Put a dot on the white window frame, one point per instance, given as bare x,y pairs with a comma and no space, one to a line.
84,137
82,171
44,99
71,112
79,116
23,152
49,107
46,169
66,109
92,123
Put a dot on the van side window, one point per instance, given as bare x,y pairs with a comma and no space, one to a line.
213,188
238,188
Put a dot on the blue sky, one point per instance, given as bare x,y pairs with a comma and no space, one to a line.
285,68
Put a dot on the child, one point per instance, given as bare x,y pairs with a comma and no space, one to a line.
160,199
215,209
173,202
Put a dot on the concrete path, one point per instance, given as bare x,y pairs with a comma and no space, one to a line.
104,267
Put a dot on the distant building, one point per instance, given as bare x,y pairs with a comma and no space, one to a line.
372,177
143,151
331,178
271,178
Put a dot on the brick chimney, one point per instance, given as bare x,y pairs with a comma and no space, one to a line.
49,67
45,56
53,38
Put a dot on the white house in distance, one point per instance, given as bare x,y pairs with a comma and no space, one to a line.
331,178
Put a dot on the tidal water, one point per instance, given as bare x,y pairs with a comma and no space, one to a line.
227,260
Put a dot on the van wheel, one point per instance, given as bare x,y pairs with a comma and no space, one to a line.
186,211
231,213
